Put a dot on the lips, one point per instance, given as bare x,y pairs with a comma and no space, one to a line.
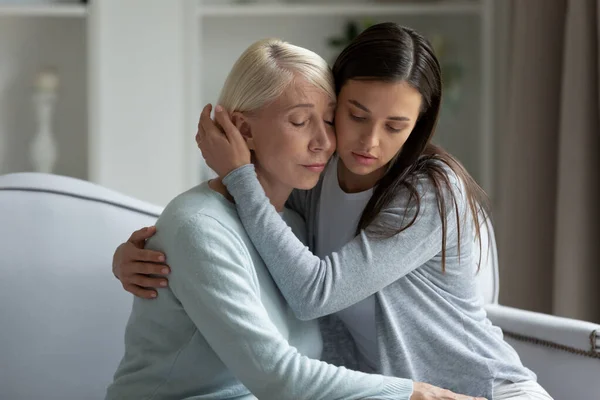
364,154
364,158
319,167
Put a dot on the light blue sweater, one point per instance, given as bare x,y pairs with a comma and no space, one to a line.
222,330
431,326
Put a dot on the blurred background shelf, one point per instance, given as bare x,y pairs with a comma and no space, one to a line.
43,10
33,38
338,8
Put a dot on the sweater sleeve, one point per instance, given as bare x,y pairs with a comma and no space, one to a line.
316,287
213,279
298,202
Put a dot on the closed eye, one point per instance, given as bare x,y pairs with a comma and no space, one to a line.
328,122
357,118
298,124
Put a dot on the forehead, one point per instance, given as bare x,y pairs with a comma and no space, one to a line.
381,94
300,91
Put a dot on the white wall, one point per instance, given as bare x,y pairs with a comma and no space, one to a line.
139,134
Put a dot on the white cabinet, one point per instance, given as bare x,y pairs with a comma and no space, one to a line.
134,75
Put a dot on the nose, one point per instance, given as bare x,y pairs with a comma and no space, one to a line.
323,139
369,138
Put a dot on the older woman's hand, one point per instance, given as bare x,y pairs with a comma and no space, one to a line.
425,391
223,146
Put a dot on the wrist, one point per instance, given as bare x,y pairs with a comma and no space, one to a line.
241,172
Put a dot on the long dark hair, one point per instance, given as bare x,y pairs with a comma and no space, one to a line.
393,53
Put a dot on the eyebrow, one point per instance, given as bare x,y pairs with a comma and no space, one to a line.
365,109
301,105
309,105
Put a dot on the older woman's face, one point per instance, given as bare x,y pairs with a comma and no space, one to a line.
293,137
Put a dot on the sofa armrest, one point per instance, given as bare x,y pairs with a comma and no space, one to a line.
563,352
547,329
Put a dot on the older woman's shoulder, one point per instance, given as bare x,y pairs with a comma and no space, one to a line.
199,203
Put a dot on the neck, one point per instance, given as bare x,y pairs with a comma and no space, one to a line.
275,191
353,183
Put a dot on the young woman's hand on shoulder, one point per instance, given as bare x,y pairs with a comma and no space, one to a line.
224,149
138,268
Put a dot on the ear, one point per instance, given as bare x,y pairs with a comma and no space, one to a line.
243,125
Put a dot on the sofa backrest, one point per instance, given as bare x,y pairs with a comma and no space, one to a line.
63,313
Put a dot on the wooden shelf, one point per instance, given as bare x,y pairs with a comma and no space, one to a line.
43,10
464,7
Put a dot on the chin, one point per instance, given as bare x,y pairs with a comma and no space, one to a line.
306,183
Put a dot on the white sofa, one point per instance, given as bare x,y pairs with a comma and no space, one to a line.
63,313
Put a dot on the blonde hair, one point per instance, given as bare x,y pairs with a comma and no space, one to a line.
266,69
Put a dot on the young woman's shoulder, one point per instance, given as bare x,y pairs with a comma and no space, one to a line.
434,181
439,170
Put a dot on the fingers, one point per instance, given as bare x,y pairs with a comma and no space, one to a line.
425,391
138,237
148,256
223,119
198,138
448,394
462,397
140,292
207,127
146,282
145,268
204,115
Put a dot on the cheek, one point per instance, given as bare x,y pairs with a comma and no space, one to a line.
392,144
343,131
331,133
269,152
280,149
267,142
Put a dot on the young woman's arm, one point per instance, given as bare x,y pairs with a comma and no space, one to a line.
315,287
212,277
298,202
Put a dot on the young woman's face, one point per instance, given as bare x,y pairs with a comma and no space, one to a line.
373,120
293,137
